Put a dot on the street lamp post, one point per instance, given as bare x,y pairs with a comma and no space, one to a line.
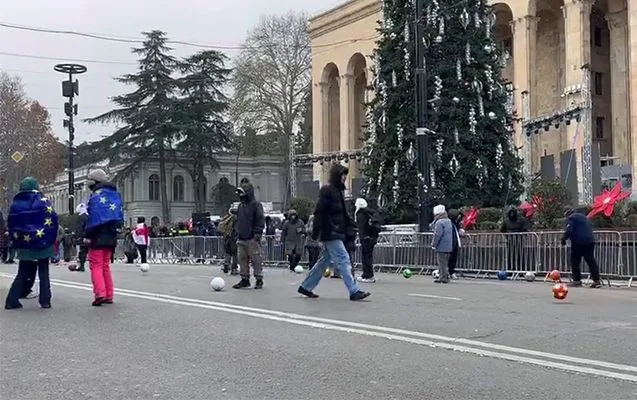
70,89
422,133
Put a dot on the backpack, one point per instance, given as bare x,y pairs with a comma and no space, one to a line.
226,225
32,222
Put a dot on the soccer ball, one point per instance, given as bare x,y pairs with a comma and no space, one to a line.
554,275
529,276
217,284
407,273
298,269
436,274
144,267
327,273
502,275
560,291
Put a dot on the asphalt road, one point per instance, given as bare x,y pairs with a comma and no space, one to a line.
168,336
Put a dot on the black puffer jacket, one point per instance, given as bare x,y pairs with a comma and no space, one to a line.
331,220
514,222
250,216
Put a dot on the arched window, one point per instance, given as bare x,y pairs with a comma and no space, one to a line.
178,188
153,188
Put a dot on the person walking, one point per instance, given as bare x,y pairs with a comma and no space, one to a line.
369,228
456,219
33,225
579,231
293,237
442,241
228,228
79,240
311,245
250,226
141,236
330,227
515,225
105,218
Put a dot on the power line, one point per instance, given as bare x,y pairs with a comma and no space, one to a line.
128,39
2,53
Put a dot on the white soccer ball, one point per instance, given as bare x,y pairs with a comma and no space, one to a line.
529,276
144,267
298,269
436,274
217,284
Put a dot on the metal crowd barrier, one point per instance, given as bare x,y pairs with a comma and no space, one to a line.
481,255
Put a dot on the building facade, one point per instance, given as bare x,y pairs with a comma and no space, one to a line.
548,42
140,185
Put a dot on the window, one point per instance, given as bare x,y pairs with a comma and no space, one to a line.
153,188
599,83
597,36
599,128
178,188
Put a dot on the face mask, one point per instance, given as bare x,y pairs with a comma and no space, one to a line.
92,187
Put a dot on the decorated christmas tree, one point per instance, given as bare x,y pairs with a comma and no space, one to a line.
472,156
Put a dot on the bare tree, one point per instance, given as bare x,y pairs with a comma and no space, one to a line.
272,78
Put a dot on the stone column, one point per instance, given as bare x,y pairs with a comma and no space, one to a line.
632,64
618,48
320,108
524,33
577,50
347,111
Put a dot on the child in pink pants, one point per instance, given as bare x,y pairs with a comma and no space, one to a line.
99,261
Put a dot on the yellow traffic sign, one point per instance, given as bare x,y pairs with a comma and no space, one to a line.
17,157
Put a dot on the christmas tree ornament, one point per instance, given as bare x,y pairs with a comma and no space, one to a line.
477,20
383,120
472,120
467,53
437,87
382,202
407,70
477,86
432,178
394,79
458,70
407,32
400,135
464,18
441,27
456,135
480,105
438,39
488,73
396,169
396,190
411,153
492,115
499,152
488,49
480,177
456,100
454,165
381,171
439,143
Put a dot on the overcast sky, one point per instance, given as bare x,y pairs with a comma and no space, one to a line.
214,22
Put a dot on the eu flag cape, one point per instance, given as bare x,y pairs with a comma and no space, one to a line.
32,223
104,207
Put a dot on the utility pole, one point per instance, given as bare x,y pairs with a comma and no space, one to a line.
422,133
70,89
292,170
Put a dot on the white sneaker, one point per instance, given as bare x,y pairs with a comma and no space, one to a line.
454,277
34,293
366,280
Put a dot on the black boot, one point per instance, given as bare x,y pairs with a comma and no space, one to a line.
243,283
259,283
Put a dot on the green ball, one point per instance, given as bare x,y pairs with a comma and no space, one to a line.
407,273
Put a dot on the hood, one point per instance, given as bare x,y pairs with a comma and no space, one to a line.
512,214
246,191
81,209
360,204
29,184
104,185
336,173
455,214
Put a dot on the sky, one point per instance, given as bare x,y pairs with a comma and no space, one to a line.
211,22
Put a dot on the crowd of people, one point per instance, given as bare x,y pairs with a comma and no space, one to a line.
32,234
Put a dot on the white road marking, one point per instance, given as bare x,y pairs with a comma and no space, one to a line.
434,341
431,296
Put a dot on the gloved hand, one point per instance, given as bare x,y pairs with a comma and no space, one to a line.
563,242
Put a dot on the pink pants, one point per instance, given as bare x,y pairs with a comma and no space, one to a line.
99,262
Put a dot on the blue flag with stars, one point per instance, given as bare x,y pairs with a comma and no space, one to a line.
32,223
104,207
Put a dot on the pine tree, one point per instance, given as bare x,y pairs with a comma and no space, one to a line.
472,156
201,118
147,113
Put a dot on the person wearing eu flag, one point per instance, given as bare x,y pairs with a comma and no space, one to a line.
33,227
105,217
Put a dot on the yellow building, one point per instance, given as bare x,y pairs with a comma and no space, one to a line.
548,41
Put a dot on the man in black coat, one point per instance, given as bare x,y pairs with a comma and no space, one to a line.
250,225
331,226
579,231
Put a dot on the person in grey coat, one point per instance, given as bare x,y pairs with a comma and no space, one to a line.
293,235
442,241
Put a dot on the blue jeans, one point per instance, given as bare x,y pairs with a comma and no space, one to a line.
26,269
333,252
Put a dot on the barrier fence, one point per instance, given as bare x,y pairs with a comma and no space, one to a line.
480,254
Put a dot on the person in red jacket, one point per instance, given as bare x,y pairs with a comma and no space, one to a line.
141,236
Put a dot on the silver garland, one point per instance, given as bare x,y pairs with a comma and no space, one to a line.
481,105
456,135
394,79
432,178
407,32
407,64
459,70
480,176
467,53
439,147
489,75
472,120
396,187
400,134
381,171
476,19
441,27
